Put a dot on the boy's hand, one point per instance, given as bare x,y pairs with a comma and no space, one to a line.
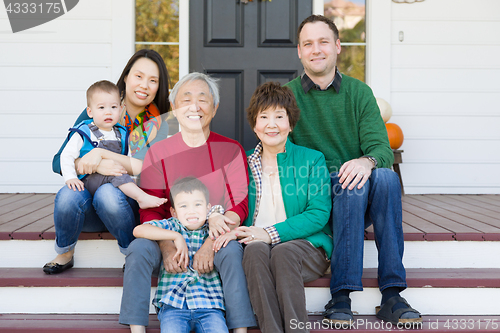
182,254
75,184
223,240
218,225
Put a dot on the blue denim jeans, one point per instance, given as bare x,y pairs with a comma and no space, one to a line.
109,210
174,320
144,259
378,202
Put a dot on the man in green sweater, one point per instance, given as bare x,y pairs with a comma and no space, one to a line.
340,118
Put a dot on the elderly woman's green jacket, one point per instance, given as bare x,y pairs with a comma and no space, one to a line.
306,190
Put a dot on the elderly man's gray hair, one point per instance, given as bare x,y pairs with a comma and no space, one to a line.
213,87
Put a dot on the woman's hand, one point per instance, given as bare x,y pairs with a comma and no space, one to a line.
110,168
223,240
182,254
251,234
88,164
218,225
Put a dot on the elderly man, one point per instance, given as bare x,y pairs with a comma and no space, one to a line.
220,164
340,118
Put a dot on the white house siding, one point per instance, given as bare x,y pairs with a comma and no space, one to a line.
445,92
44,73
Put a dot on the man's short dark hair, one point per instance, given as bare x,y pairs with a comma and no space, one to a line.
103,86
319,18
273,95
188,185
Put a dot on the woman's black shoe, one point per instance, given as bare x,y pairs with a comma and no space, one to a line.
53,268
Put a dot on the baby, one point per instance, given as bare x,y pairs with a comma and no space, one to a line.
186,301
102,131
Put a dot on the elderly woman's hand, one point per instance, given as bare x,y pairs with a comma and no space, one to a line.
88,164
251,234
223,240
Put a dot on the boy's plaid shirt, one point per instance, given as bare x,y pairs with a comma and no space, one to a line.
199,291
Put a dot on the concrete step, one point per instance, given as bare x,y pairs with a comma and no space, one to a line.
99,290
102,253
23,323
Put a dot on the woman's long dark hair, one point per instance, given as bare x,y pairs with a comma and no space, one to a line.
161,98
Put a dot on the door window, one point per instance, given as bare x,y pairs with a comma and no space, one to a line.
157,28
350,19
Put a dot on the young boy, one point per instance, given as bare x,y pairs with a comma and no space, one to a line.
186,301
102,131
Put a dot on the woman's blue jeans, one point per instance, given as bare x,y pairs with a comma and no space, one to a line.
378,202
109,210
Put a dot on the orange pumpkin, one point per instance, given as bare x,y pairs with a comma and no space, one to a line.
395,135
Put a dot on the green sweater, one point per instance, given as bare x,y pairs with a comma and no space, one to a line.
343,126
306,191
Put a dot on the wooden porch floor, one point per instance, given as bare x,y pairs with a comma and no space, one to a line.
425,217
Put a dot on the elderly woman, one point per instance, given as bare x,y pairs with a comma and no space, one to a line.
288,240
220,164
143,86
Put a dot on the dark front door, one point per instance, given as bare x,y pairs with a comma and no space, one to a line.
244,45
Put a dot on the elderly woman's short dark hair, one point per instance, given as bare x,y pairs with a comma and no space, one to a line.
272,95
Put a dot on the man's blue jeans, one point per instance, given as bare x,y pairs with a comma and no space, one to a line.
109,210
174,320
378,202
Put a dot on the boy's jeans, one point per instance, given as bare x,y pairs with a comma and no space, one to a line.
174,320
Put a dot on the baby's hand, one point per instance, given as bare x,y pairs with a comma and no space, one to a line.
75,184
223,240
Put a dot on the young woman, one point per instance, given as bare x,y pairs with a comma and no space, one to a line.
144,86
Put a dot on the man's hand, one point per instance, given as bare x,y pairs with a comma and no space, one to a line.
169,254
355,172
218,225
203,260
75,184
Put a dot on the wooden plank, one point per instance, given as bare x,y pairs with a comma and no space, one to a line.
418,222
113,277
464,209
409,233
51,234
27,225
493,201
462,202
417,208
453,213
5,195
108,323
25,213
4,204
20,204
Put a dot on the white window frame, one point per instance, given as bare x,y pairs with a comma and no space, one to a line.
378,45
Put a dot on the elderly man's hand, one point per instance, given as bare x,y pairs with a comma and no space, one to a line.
168,252
203,259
